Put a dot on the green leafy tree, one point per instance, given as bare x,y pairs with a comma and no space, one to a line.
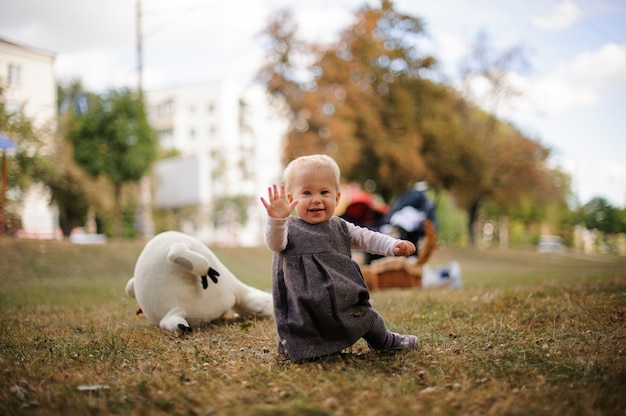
75,192
112,138
31,162
599,214
622,220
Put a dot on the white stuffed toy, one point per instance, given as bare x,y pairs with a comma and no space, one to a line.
179,283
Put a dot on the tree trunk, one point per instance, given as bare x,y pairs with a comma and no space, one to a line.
472,212
503,230
90,225
118,210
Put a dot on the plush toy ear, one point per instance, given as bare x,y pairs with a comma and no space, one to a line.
181,255
184,263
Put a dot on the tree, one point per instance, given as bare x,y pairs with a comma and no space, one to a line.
29,160
599,214
489,71
512,167
75,192
367,101
31,163
358,100
112,138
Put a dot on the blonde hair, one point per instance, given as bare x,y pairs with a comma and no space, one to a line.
317,161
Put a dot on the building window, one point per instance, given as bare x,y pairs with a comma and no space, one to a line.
165,109
15,74
166,137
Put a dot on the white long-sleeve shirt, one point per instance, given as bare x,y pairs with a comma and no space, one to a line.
360,238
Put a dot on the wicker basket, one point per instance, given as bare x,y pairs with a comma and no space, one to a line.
400,271
392,272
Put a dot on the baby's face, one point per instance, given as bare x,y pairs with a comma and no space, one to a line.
317,194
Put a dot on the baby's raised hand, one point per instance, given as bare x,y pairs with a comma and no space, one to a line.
277,206
403,248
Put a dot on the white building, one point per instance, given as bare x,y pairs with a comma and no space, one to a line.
27,75
230,145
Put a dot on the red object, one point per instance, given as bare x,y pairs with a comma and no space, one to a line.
362,211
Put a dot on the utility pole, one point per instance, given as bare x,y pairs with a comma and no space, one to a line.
139,50
145,185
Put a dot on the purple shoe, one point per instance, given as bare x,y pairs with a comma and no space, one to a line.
395,341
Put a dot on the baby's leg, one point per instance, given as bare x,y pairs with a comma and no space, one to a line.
379,338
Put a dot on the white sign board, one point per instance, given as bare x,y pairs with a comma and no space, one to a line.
177,182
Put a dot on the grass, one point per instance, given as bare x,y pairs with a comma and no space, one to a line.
528,334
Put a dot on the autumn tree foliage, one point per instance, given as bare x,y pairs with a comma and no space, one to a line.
368,101
357,100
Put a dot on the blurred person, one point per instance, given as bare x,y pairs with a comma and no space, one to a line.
408,213
321,302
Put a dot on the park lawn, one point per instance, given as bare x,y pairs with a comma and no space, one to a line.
528,334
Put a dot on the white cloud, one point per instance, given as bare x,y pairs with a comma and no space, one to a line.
563,16
69,26
553,94
603,69
582,82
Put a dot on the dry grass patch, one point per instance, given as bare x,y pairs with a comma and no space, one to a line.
553,347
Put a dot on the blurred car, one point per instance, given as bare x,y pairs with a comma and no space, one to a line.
551,244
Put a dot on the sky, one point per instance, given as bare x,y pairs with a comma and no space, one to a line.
573,88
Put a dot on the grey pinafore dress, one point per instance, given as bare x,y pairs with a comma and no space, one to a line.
321,301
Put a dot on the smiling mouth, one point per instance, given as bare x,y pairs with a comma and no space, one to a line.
316,210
